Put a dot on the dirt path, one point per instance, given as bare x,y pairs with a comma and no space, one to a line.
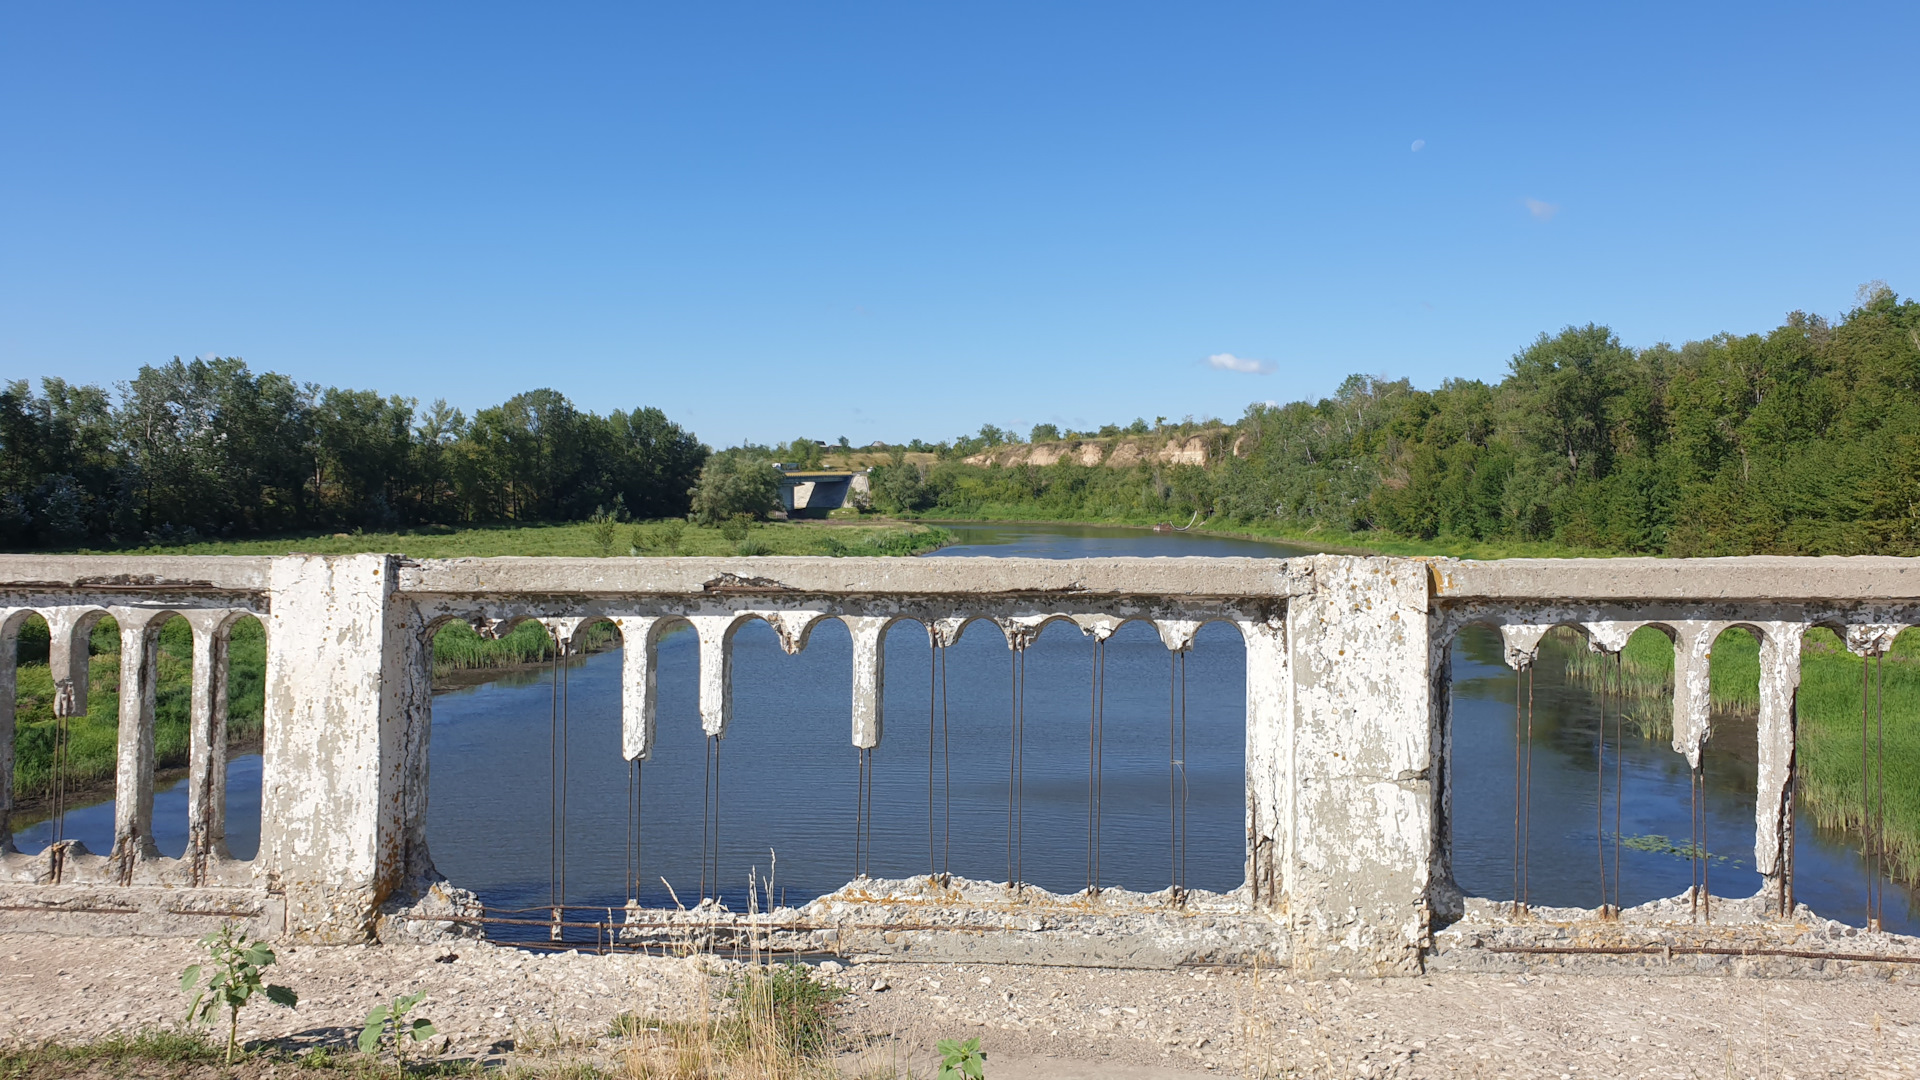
1037,1022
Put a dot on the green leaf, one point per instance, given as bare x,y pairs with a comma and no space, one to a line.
422,1030
370,1037
189,977
281,995
377,1016
260,955
408,1001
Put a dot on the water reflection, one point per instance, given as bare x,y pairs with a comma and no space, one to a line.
788,774
1572,799
93,824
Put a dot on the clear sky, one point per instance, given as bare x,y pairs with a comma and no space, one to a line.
899,220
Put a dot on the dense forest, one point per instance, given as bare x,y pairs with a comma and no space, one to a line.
1801,440
208,449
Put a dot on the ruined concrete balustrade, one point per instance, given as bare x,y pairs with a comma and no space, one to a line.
1347,700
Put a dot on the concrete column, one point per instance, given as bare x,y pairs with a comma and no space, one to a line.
1269,742
716,670
869,677
345,705
133,773
639,683
68,632
1358,878
207,743
1692,687
1779,682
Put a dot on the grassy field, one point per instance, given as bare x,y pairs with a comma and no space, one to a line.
1329,540
585,539
1828,706
92,739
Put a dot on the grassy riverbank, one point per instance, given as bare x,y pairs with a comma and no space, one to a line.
588,540
458,651
1341,541
1829,709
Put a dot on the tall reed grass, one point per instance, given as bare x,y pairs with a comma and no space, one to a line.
1829,709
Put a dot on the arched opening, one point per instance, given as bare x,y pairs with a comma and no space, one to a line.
63,768
1856,837
501,751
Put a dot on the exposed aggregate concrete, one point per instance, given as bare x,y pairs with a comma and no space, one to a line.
1034,1021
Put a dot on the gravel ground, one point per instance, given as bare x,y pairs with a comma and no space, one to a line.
1037,1021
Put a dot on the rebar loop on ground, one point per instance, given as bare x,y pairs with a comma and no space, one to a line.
1600,794
937,858
1177,772
710,819
1017,769
633,830
62,754
1873,790
555,784
863,813
946,782
1522,783
1096,780
1619,778
1702,892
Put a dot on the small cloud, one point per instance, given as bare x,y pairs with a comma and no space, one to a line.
1226,361
1419,145
1541,211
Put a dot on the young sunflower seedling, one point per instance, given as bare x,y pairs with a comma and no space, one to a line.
389,1023
232,980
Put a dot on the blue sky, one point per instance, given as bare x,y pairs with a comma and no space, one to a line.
893,220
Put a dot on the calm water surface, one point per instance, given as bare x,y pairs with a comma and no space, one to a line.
787,777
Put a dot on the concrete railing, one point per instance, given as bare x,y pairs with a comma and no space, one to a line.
1348,793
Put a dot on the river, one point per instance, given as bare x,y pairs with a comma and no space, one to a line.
788,772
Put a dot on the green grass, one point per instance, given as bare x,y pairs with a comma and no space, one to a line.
579,539
1828,706
164,1052
92,739
1372,542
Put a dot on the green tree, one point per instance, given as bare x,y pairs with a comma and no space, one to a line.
735,482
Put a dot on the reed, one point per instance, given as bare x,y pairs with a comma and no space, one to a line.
1829,710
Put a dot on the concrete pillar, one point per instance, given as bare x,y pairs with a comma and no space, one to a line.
1269,743
1692,687
133,773
68,632
869,677
1779,682
1361,723
207,743
639,682
345,708
716,670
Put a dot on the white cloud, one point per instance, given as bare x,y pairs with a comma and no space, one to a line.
1541,211
1419,145
1226,361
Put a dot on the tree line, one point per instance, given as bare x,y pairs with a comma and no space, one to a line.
1801,440
209,449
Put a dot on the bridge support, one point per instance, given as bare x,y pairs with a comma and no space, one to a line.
1361,766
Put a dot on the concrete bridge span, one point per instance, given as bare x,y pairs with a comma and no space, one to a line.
1348,790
